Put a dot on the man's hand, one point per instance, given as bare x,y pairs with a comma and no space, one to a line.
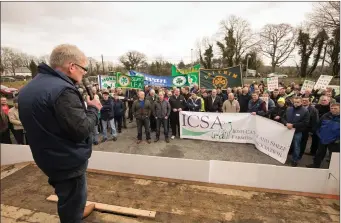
174,109
253,113
289,126
166,117
277,117
96,103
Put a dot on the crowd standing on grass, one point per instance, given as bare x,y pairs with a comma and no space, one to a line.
313,113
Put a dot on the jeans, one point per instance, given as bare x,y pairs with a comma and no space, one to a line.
143,122
322,150
72,195
164,123
152,122
19,136
175,123
296,146
105,128
130,111
5,137
95,134
314,143
304,140
118,120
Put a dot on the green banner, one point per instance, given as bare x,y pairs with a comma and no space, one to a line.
125,81
224,78
193,73
180,81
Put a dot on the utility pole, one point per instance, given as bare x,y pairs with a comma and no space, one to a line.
192,57
102,63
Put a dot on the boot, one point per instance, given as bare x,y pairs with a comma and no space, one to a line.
88,210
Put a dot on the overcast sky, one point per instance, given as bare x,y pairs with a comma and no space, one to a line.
157,29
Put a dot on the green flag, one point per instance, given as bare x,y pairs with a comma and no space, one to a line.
193,73
180,81
125,81
224,78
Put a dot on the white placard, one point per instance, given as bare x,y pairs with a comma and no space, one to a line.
106,81
323,82
272,83
307,85
269,137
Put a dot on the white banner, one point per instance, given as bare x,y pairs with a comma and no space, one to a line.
106,81
269,137
272,83
323,82
307,85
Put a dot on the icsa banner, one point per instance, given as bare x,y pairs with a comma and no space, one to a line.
269,137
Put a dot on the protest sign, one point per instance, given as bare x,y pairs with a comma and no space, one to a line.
323,82
307,85
106,81
223,78
125,81
272,83
270,137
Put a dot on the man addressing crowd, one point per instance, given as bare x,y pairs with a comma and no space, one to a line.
58,128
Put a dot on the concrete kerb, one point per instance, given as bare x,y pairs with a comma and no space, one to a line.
322,181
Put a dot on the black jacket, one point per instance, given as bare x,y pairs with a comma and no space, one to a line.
177,103
299,117
313,119
244,102
107,112
322,109
213,106
57,124
194,105
278,111
118,107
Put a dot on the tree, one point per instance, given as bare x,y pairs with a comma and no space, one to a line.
206,61
33,68
326,15
44,59
239,34
277,41
334,51
181,65
255,61
306,47
132,59
10,59
229,50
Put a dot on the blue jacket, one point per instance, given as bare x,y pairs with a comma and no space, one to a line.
329,129
57,124
298,116
118,107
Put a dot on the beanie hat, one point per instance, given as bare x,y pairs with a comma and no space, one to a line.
281,100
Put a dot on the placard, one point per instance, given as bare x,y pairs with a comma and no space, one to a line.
272,83
323,82
307,85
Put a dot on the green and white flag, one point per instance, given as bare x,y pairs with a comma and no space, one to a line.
125,81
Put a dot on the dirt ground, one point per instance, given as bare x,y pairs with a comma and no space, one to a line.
27,188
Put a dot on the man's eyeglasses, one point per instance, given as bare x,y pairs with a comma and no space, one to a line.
83,68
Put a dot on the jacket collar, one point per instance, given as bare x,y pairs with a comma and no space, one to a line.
45,69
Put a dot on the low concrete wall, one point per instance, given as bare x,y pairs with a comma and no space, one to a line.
323,181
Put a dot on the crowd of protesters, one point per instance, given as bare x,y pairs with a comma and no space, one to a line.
313,113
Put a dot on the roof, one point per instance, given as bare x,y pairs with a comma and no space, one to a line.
22,70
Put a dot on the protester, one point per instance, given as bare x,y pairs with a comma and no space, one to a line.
107,117
329,134
213,103
256,105
221,95
58,127
131,96
278,112
313,121
4,128
231,105
118,108
296,117
123,99
152,97
141,110
194,103
162,111
18,128
244,99
275,96
177,103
